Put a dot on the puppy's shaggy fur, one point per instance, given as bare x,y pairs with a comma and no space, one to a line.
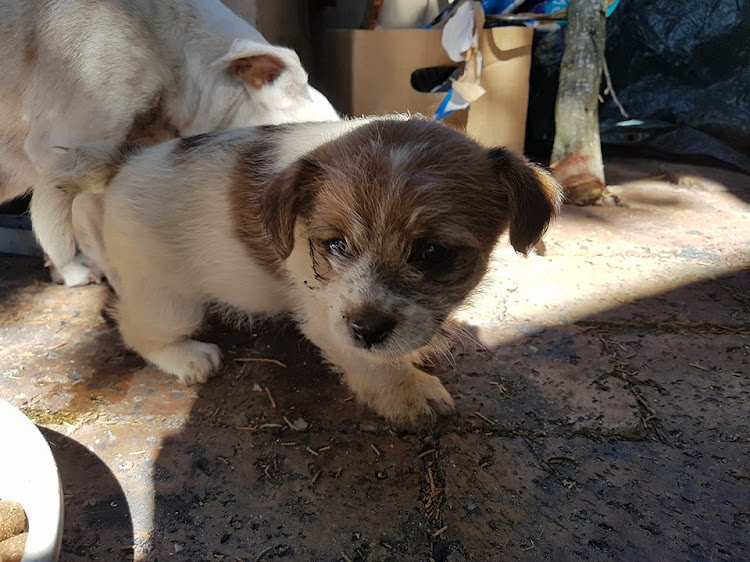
369,232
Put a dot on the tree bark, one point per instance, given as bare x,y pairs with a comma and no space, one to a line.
577,153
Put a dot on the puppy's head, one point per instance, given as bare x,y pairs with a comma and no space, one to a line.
392,226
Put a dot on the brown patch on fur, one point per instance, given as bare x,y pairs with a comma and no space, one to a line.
279,128
152,125
187,144
109,308
30,50
289,197
251,178
258,70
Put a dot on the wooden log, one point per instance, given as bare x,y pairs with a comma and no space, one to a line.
577,154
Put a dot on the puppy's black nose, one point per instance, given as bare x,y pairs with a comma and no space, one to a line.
371,327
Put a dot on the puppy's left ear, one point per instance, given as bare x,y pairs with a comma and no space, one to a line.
288,196
529,193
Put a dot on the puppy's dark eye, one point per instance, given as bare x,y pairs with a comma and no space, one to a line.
337,247
432,257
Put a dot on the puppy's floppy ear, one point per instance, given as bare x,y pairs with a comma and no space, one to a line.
529,193
290,194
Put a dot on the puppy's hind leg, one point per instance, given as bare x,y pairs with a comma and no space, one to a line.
158,323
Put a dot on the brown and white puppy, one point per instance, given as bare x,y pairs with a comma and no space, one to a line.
369,232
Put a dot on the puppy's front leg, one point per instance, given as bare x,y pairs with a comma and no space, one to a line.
399,392
396,390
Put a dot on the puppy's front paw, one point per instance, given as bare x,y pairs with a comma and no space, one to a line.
411,398
190,361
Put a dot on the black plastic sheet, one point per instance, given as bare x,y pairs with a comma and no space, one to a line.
683,63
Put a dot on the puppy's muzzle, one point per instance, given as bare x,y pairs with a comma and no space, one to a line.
371,327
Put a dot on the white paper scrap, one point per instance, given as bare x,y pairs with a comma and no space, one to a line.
458,33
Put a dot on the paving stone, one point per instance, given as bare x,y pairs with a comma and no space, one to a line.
578,499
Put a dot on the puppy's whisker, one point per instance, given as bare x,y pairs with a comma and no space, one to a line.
464,334
445,353
460,333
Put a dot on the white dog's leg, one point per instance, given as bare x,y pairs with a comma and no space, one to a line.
76,273
157,324
51,212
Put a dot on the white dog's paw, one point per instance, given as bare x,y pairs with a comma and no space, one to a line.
414,398
191,361
76,274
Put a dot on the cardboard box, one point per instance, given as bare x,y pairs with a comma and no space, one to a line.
369,73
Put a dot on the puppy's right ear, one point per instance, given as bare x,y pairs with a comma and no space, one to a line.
529,194
290,194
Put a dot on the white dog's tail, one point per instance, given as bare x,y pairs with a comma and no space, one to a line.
86,168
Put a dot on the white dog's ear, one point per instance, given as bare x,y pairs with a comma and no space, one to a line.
530,195
258,70
288,196
259,65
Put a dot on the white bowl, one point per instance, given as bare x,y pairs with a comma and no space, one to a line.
28,475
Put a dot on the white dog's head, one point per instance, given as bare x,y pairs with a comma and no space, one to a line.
392,226
275,89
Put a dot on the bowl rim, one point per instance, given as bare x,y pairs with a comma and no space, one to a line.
32,479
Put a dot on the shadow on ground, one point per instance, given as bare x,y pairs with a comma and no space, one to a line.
623,436
97,514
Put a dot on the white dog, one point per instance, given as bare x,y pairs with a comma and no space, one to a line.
370,232
142,71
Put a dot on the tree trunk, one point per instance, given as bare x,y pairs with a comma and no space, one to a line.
577,153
